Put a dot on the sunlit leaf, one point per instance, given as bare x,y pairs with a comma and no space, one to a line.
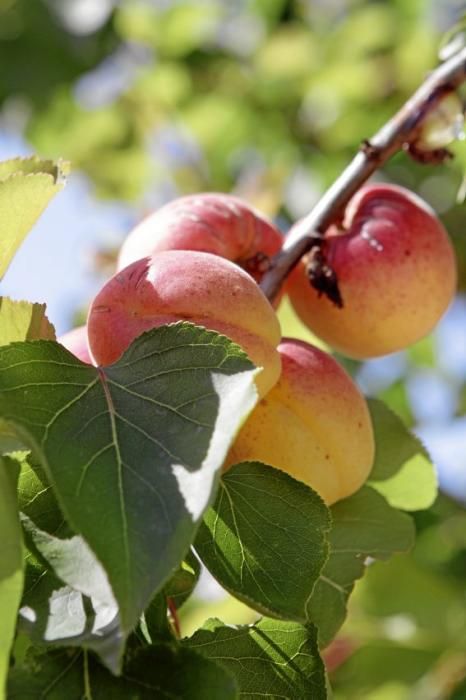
26,187
271,659
265,539
23,320
132,450
403,471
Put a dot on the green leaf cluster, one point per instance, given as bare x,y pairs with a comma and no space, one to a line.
116,474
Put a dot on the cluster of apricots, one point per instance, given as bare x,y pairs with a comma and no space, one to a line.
200,258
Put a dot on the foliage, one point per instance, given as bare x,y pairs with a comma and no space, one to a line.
157,100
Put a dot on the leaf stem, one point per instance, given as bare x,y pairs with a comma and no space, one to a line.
174,616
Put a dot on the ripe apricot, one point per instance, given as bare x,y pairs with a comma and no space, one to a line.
396,273
314,424
214,223
185,285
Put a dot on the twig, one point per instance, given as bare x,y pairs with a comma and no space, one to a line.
174,615
402,129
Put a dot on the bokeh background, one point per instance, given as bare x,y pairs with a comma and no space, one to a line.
268,99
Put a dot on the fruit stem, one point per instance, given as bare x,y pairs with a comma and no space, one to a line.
400,131
174,615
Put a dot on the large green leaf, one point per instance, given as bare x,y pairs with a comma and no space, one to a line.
22,320
271,659
364,525
132,450
159,672
11,564
26,187
265,540
67,598
403,471
383,662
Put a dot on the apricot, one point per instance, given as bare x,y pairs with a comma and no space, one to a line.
314,424
396,272
185,285
76,342
214,223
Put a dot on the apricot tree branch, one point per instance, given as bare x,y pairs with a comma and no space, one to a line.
399,131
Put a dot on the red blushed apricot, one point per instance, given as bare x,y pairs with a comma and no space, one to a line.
185,285
396,271
314,424
76,342
210,222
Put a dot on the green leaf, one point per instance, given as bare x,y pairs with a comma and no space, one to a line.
9,440
162,672
154,625
380,662
364,525
431,602
265,539
69,601
403,472
271,659
132,450
36,498
22,320
183,581
11,565
26,187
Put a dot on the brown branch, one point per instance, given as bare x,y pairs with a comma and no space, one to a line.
402,129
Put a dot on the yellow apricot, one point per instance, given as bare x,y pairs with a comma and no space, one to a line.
314,425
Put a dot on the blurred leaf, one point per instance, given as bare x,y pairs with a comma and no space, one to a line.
11,565
55,56
292,327
423,353
23,320
159,671
275,61
454,40
271,659
428,600
26,187
188,390
364,525
380,662
396,397
263,525
174,31
403,472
